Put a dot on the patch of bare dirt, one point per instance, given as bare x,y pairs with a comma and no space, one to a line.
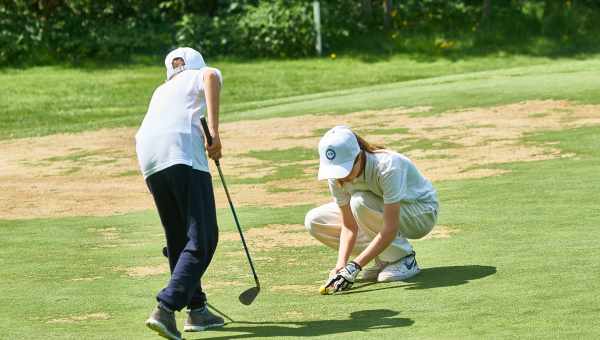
440,231
96,173
81,318
273,236
210,284
86,279
109,234
294,314
145,271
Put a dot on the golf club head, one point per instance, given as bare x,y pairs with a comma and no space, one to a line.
248,296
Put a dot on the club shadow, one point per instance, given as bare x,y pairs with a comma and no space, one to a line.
362,321
434,278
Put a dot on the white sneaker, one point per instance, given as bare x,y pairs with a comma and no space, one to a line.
371,273
403,269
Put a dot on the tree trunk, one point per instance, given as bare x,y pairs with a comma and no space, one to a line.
554,17
387,14
486,11
367,10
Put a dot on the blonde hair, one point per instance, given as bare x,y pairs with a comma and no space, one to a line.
368,147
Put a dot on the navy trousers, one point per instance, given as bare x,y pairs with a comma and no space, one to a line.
185,201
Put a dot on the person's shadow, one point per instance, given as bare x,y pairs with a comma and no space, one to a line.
361,321
432,278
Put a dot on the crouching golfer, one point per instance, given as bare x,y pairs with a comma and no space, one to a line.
380,201
170,147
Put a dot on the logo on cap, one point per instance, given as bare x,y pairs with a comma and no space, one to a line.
330,154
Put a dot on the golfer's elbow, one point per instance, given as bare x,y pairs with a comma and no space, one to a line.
389,231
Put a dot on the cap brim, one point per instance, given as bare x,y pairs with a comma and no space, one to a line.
335,171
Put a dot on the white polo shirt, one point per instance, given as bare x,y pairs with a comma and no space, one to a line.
171,132
389,175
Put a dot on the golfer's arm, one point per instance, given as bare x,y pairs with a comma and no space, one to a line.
347,236
384,238
212,87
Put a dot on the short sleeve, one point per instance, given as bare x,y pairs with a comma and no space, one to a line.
340,196
393,182
217,71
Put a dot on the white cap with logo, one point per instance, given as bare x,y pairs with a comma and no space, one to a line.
192,58
337,151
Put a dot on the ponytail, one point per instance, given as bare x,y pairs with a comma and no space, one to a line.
368,147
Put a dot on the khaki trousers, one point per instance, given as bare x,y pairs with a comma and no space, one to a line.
415,221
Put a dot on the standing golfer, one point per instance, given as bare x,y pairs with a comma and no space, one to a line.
380,201
170,147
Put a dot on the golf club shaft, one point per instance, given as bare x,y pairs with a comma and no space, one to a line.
237,223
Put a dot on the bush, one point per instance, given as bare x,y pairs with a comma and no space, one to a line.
20,33
277,29
270,29
43,31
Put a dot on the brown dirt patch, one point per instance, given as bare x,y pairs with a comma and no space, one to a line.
294,314
273,236
145,271
439,231
96,173
81,318
86,279
109,234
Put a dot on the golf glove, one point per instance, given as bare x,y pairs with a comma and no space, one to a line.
345,277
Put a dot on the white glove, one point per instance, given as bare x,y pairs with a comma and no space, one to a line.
344,278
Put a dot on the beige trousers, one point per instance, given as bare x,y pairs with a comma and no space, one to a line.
415,221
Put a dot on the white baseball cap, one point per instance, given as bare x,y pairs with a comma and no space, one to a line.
192,58
338,150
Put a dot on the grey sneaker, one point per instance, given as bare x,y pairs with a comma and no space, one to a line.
201,319
163,322
371,273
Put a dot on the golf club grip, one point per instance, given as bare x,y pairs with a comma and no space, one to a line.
207,134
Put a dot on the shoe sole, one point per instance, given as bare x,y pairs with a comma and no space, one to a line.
201,328
161,330
397,278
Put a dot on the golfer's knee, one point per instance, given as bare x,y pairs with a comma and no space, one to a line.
310,220
202,248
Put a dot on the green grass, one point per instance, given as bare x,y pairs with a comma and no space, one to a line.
522,264
46,100
285,164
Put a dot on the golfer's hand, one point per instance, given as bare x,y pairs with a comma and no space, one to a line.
345,278
214,150
334,271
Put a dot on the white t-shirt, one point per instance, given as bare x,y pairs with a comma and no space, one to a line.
171,132
389,175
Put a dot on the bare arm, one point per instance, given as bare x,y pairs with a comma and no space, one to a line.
347,237
385,236
212,88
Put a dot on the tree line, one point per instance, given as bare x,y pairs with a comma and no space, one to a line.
47,31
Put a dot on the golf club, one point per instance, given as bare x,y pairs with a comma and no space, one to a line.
248,296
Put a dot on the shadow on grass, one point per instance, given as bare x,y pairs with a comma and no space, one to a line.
361,321
434,278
